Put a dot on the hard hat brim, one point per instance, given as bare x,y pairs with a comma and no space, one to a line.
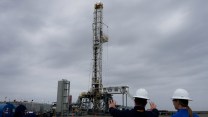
182,98
141,97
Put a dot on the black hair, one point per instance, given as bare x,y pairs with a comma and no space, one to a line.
140,101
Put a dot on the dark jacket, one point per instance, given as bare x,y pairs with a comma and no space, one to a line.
136,112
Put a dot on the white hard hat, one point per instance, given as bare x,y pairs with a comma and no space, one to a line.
141,93
181,94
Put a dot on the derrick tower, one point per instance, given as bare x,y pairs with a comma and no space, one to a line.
95,100
98,40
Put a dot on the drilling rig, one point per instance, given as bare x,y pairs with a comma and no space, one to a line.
98,40
95,100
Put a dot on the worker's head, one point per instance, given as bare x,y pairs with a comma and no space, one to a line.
180,103
180,98
141,97
140,102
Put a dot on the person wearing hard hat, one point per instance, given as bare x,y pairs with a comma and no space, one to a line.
140,100
180,101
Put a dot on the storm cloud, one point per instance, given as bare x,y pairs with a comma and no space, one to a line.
157,45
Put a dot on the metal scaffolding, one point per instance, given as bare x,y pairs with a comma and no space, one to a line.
97,55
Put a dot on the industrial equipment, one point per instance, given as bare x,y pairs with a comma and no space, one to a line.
95,100
6,110
123,90
62,105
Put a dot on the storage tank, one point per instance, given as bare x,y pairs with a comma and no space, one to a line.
7,110
20,111
62,105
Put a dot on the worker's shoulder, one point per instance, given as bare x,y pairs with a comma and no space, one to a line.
152,113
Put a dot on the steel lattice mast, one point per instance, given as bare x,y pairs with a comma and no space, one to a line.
98,40
96,100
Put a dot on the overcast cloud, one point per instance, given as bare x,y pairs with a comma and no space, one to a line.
157,45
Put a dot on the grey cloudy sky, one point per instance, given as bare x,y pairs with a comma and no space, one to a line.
157,45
